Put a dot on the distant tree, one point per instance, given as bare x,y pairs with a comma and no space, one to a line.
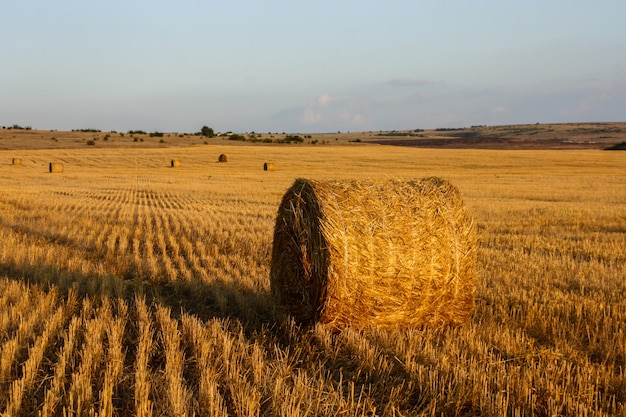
292,139
236,136
207,131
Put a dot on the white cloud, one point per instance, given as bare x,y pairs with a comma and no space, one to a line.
325,100
382,106
341,112
355,118
312,112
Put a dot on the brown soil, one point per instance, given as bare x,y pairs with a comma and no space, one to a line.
495,143
548,136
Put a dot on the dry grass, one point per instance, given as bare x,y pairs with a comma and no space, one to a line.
128,289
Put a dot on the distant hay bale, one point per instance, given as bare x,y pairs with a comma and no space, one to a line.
269,166
56,167
175,163
222,158
385,253
17,161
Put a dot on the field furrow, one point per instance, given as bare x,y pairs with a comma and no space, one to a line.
53,395
24,331
85,380
25,385
143,401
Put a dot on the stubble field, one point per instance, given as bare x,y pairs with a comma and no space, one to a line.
131,288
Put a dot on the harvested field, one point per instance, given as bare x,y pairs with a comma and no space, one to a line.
129,289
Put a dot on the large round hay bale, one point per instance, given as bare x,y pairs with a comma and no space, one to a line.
222,158
269,166
385,253
175,163
17,161
56,167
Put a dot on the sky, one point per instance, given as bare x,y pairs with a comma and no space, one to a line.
309,67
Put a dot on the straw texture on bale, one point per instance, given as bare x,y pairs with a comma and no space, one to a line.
222,158
269,166
388,254
17,161
175,163
56,167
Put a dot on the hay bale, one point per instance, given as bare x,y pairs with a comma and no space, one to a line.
56,167
222,158
175,163
17,161
269,166
382,253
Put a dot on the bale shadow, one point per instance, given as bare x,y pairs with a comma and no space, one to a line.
305,345
217,299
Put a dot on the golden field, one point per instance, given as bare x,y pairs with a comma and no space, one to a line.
132,288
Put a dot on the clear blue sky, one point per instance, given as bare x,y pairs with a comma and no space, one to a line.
316,66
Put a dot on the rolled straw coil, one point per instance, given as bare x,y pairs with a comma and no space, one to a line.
383,253
56,167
